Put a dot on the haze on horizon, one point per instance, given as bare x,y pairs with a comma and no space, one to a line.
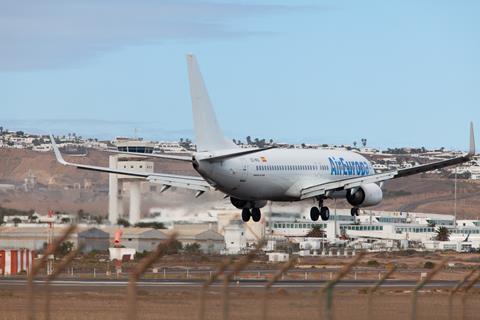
402,73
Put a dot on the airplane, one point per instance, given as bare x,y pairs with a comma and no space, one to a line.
251,177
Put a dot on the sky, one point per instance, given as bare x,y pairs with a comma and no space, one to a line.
398,73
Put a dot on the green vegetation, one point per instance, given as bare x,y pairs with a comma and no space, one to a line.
443,234
64,248
123,222
316,232
15,212
16,221
373,263
154,225
175,247
429,265
192,248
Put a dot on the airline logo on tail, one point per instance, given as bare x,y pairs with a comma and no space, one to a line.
348,168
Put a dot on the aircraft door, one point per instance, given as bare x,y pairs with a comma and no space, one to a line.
243,170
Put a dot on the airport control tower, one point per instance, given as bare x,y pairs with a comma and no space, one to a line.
131,185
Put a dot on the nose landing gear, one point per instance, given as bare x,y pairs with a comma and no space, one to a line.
354,211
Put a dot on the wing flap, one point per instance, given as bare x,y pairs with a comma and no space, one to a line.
186,182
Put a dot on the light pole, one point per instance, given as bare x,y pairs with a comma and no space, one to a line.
455,199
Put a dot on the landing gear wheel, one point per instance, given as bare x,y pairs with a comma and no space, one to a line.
314,213
246,214
325,213
256,214
354,211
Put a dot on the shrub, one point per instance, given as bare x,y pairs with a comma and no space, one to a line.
429,265
192,248
154,225
123,222
372,263
64,248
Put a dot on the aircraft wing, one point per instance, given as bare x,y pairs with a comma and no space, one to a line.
323,189
167,180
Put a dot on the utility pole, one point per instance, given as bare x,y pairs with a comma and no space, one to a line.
335,216
455,200
50,235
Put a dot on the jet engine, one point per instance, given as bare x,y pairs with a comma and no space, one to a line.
240,204
365,196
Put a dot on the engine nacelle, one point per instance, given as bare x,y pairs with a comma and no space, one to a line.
365,196
240,204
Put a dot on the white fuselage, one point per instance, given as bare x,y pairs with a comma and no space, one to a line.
280,174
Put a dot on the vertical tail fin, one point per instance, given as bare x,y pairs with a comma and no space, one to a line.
208,133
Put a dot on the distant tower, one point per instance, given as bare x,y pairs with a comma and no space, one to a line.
116,181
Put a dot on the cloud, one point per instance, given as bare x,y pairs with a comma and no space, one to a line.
55,33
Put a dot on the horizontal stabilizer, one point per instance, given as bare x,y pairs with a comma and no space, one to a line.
165,179
154,155
231,153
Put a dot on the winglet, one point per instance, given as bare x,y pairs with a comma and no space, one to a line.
58,155
471,151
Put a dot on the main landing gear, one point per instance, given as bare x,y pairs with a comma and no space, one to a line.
254,213
355,211
323,212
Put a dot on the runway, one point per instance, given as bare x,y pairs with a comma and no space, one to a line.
242,283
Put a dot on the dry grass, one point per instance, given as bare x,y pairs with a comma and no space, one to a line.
182,303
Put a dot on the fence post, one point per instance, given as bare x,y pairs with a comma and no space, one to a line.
422,283
286,266
455,290
213,277
139,270
465,293
375,287
38,264
237,267
328,289
51,277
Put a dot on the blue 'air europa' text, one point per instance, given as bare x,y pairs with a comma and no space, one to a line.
341,167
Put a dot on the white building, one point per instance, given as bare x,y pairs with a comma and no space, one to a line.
235,240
